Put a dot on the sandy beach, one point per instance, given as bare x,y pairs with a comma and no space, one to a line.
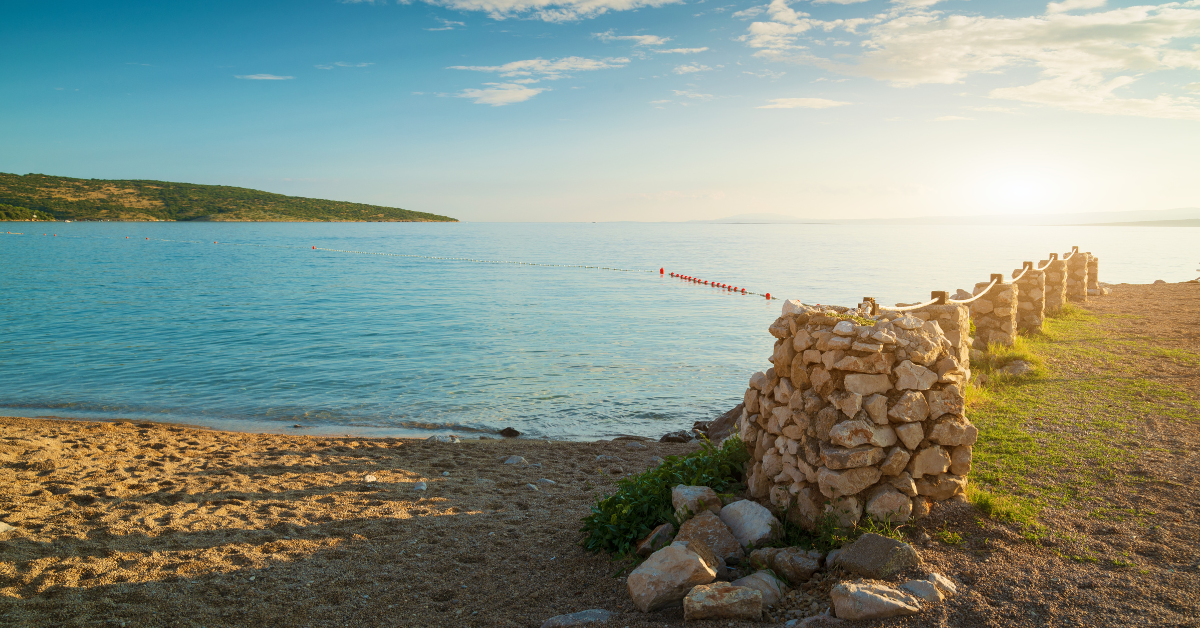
141,524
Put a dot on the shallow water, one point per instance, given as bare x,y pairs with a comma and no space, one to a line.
260,331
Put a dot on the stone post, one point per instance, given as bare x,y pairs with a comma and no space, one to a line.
1031,297
955,321
1093,283
1077,275
995,314
1056,283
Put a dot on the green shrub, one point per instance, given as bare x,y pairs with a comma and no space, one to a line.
643,502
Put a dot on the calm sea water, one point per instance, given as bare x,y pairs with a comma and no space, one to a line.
261,332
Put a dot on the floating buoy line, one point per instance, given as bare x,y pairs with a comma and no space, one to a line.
661,271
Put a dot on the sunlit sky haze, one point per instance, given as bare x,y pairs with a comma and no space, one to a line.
581,110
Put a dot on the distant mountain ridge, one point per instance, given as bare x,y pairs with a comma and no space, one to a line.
66,198
1151,217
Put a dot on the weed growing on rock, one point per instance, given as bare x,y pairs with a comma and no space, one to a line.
643,502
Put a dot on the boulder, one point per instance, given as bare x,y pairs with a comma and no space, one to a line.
883,436
680,436
825,420
954,430
878,557
871,601
802,341
905,484
848,402
767,585
948,400
750,522
941,487
929,461
848,482
890,505
911,434
806,510
822,381
896,460
582,618
666,577
851,434
708,528
844,328
909,408
722,600
700,549
846,511
960,460
923,589
842,458
875,405
794,565
911,376
658,538
514,460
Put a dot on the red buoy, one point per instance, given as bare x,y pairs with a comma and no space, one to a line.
768,296
314,248
660,271
743,290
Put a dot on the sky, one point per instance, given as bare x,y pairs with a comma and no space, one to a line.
597,110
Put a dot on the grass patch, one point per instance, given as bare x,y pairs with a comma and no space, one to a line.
948,537
829,535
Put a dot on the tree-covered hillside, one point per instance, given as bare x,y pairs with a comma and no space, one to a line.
65,198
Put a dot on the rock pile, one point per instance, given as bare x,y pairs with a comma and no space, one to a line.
1056,283
995,313
1031,297
859,413
1077,276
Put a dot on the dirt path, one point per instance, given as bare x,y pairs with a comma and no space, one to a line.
156,525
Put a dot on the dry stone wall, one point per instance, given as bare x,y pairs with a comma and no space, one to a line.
995,313
1056,283
1031,297
860,412
1077,276
1093,283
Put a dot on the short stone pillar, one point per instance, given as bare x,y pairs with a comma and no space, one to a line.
955,321
1093,283
995,313
1056,283
1031,297
1077,276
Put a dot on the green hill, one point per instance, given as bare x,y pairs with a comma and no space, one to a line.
65,198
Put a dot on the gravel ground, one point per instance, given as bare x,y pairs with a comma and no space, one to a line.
124,524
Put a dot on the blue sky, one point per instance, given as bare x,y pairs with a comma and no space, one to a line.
619,109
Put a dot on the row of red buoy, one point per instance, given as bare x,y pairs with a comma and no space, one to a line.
706,282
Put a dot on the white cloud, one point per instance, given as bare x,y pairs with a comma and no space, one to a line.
1086,61
341,64
837,1
638,40
1192,87
687,94
659,102
500,94
751,12
802,103
771,74
264,77
691,68
447,25
951,118
683,51
1071,5
548,69
547,10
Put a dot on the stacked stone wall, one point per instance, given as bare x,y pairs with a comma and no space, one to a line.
860,412
995,313
1077,276
1031,297
1056,283
1093,283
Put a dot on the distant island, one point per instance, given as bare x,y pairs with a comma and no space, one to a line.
64,198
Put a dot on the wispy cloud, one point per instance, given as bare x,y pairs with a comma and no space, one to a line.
447,25
682,51
770,74
802,103
340,64
500,94
638,40
547,10
548,69
691,68
951,118
264,77
1087,59
751,12
693,95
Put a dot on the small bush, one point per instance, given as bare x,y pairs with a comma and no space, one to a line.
643,502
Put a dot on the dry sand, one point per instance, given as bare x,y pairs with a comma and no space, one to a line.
124,524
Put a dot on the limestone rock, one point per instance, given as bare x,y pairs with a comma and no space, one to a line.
909,408
897,459
960,460
695,499
924,589
875,405
890,505
948,588
878,557
844,328
865,385
849,403
871,601
929,461
841,458
876,362
941,487
802,341
806,510
905,484
954,430
758,381
767,585
722,600
920,507
772,465
949,400
750,522
845,510
866,346
826,419
848,482
666,577
582,618
883,436
1017,368
703,551
822,381
911,376
908,321
658,538
911,434
794,565
794,306
514,460
851,434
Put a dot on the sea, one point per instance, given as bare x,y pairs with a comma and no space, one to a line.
560,330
